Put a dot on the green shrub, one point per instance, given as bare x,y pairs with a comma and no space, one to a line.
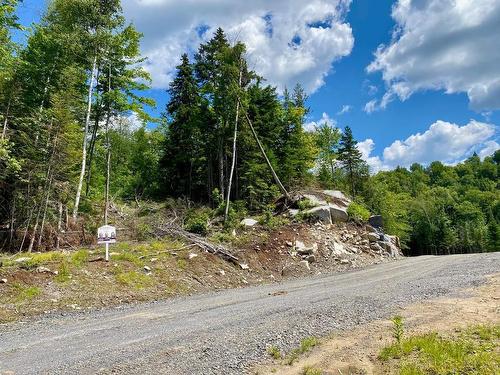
309,370
471,352
63,273
305,204
274,352
358,211
271,221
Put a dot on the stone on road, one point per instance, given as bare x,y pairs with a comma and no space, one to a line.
227,332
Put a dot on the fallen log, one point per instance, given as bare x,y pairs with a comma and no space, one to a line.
201,242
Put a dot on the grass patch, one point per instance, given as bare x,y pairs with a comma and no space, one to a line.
63,273
182,264
133,279
472,351
80,258
26,293
309,370
274,352
305,346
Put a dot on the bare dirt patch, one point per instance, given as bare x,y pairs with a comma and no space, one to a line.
356,351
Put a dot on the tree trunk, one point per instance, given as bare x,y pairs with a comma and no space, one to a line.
221,165
84,148
275,176
59,226
233,163
108,152
6,119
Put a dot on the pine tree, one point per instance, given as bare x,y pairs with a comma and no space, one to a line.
350,158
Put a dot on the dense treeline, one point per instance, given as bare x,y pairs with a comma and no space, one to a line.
74,137
441,209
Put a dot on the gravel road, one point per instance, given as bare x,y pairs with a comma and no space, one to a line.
226,332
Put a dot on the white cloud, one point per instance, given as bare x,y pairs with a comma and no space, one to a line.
346,108
371,106
325,119
489,149
288,41
447,142
449,45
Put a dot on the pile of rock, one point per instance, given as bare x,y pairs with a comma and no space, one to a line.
331,211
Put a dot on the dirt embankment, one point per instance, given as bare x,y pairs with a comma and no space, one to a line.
356,351
37,283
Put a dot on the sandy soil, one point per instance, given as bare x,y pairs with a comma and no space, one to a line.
355,351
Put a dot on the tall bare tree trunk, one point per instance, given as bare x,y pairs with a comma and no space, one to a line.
59,226
84,148
6,119
275,176
108,153
233,163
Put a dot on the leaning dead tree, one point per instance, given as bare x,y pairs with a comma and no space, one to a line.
202,243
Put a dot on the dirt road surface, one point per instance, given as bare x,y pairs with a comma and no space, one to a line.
227,332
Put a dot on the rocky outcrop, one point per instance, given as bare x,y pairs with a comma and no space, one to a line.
321,213
338,213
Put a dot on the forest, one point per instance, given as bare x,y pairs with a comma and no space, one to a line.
68,145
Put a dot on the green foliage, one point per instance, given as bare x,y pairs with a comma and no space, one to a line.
274,352
472,352
358,211
134,279
306,345
25,292
197,221
397,328
80,258
64,272
310,370
350,158
271,221
305,204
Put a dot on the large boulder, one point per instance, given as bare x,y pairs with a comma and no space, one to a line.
321,213
376,221
315,201
337,194
338,213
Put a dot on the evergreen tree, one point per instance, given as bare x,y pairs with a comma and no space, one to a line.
350,159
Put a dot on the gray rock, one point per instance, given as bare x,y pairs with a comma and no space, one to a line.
311,258
22,259
244,266
369,228
3,281
305,264
338,195
249,222
302,249
43,270
292,212
373,237
321,214
147,268
376,221
315,201
338,213
376,247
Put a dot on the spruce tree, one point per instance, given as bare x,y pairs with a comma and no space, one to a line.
350,159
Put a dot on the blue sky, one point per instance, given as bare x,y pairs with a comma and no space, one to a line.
432,91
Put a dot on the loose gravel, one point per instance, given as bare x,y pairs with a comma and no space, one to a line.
227,332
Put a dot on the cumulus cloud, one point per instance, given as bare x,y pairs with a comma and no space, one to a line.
447,142
325,119
288,41
449,45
